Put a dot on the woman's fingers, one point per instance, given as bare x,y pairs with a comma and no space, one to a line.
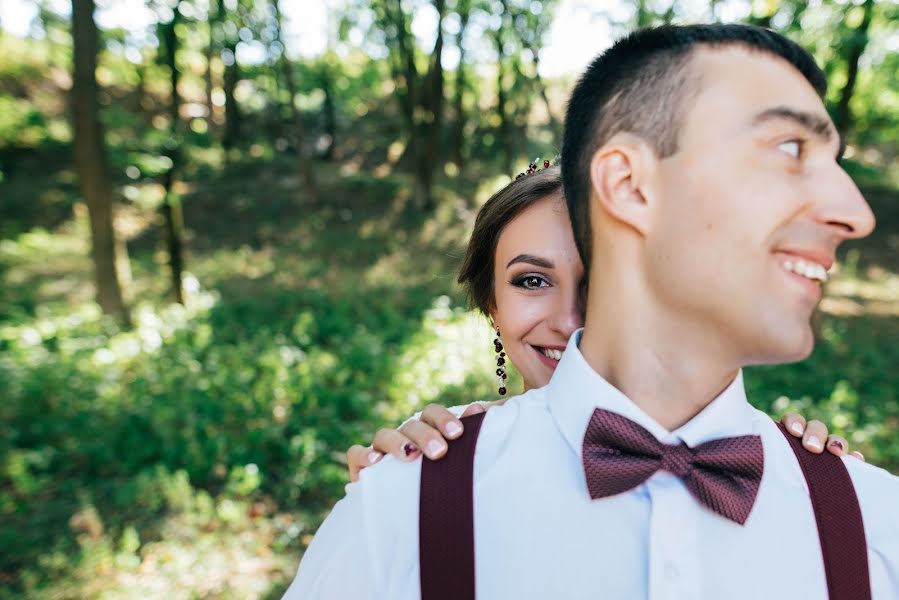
442,420
795,424
425,437
813,433
837,445
858,455
814,437
358,457
473,409
391,441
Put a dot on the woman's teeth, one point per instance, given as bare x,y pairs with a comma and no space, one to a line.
550,353
807,269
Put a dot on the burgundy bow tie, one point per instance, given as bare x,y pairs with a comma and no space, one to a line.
722,474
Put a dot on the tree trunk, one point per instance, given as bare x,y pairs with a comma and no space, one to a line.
430,124
457,143
552,122
209,52
406,47
504,133
108,253
858,42
232,76
303,158
171,204
329,111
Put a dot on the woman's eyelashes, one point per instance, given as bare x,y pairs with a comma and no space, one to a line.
530,281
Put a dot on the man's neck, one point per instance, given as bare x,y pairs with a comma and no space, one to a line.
670,375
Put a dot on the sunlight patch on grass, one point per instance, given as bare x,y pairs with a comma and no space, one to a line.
225,547
245,262
452,346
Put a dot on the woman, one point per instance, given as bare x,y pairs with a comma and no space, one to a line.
523,272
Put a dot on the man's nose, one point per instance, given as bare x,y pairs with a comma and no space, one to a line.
842,207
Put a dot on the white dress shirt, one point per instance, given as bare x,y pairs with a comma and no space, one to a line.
539,535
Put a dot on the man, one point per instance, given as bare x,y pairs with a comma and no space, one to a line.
701,174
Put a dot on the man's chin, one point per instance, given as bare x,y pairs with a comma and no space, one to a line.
785,351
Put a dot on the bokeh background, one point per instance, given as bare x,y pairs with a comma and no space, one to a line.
229,232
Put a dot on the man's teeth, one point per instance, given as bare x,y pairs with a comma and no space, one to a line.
550,353
807,269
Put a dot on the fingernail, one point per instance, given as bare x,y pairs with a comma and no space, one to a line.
814,442
374,457
860,455
797,428
453,429
836,444
434,448
409,448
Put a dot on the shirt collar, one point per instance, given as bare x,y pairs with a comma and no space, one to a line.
575,390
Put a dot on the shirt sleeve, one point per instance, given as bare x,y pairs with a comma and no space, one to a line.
878,492
337,564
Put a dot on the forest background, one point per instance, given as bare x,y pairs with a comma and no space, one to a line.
228,245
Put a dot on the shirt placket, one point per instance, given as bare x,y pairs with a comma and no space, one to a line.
673,540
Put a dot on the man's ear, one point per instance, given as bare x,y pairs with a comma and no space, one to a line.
622,175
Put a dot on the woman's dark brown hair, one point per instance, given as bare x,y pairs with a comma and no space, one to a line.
476,274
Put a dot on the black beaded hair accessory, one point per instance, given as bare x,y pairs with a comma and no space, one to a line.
533,168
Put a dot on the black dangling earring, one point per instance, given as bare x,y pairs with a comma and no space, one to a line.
500,364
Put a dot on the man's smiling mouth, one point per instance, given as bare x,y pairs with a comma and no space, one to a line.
807,269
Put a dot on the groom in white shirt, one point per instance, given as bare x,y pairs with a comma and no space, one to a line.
703,185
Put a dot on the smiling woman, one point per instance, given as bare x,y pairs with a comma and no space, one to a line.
536,275
522,270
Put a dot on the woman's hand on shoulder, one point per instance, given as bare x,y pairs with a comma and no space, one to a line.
427,435
815,436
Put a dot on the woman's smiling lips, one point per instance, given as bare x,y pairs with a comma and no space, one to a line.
552,363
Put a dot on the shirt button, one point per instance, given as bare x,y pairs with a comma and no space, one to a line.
671,571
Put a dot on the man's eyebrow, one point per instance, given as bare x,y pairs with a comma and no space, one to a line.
820,126
533,260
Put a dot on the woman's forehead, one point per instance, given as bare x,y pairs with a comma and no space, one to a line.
543,225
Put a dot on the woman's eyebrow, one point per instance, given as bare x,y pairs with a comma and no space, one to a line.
532,260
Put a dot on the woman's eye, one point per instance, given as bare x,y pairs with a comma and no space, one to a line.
792,147
531,282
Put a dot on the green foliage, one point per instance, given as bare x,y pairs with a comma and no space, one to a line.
248,394
21,123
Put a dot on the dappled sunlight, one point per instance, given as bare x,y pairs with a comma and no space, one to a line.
48,267
205,546
852,291
452,347
243,262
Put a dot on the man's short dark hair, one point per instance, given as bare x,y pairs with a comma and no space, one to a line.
640,85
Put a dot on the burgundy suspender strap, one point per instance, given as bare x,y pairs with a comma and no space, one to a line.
840,526
446,519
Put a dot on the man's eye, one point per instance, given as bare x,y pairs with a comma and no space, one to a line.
792,147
